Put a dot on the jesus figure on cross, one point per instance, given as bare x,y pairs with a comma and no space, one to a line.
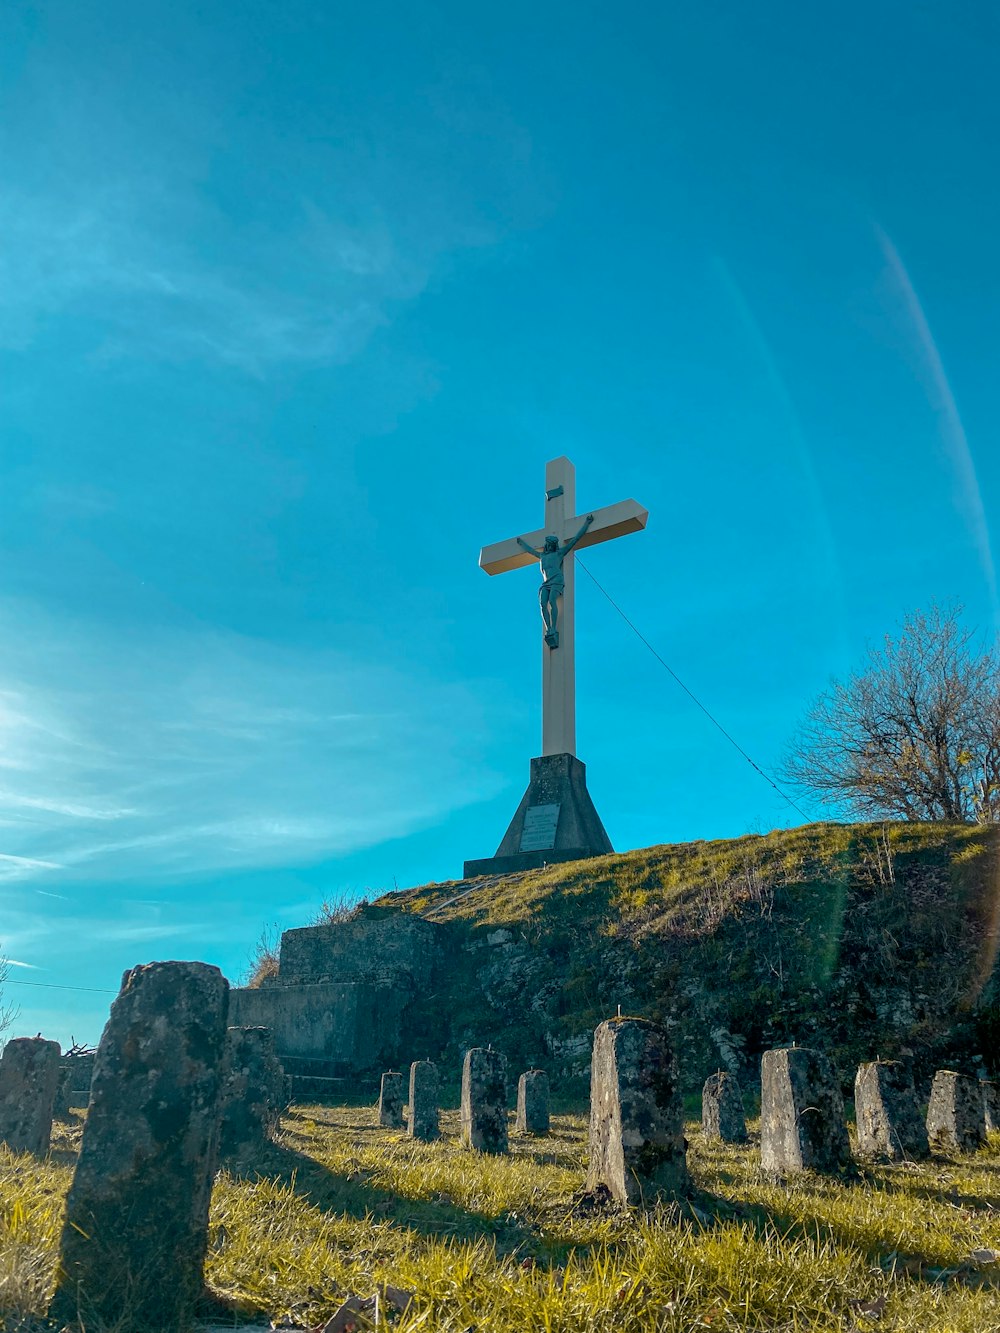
551,557
552,545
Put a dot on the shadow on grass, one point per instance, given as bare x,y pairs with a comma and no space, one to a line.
354,1195
983,1175
535,1233
927,1263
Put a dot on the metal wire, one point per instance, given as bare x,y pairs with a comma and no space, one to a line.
691,695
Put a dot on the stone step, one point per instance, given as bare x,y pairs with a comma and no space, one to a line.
307,1066
306,1087
76,1098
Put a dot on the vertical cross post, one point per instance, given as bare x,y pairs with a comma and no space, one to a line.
564,524
559,664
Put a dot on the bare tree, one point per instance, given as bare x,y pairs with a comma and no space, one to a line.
915,734
8,1012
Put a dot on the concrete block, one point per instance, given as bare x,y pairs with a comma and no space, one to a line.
889,1122
637,1145
136,1226
722,1109
29,1080
484,1101
801,1113
390,1101
422,1111
532,1102
956,1114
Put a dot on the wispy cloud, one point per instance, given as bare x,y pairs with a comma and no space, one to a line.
107,255
27,863
193,753
167,226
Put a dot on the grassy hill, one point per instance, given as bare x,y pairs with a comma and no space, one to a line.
863,940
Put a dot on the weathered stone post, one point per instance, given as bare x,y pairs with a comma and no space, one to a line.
133,1242
253,1092
991,1106
484,1100
637,1144
956,1113
801,1113
532,1102
722,1114
390,1101
422,1112
887,1114
29,1080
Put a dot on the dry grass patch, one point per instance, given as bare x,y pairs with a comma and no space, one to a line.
508,1244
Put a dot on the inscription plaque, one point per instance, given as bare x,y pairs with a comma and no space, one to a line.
540,824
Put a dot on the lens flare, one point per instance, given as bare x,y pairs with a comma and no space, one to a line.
953,436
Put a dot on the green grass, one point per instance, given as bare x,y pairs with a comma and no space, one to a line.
672,885
505,1244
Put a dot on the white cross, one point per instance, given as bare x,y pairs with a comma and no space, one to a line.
558,673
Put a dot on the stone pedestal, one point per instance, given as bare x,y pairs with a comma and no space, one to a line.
722,1114
484,1101
29,1080
637,1144
253,1094
136,1225
801,1113
390,1101
422,1112
532,1102
888,1117
956,1114
556,821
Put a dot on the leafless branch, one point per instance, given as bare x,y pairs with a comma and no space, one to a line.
915,734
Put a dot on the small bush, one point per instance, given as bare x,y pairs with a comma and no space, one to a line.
262,965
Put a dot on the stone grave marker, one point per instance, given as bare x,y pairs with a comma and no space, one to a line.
956,1114
991,1106
637,1144
390,1101
253,1092
29,1080
532,1102
722,1114
801,1113
422,1110
136,1227
888,1118
484,1100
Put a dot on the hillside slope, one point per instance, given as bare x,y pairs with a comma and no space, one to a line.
864,940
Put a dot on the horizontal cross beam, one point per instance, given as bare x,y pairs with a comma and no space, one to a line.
612,521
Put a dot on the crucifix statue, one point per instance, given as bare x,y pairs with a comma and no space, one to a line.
553,546
551,558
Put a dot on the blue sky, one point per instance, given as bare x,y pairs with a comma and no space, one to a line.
296,300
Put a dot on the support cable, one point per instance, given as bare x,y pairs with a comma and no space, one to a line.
52,985
691,695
